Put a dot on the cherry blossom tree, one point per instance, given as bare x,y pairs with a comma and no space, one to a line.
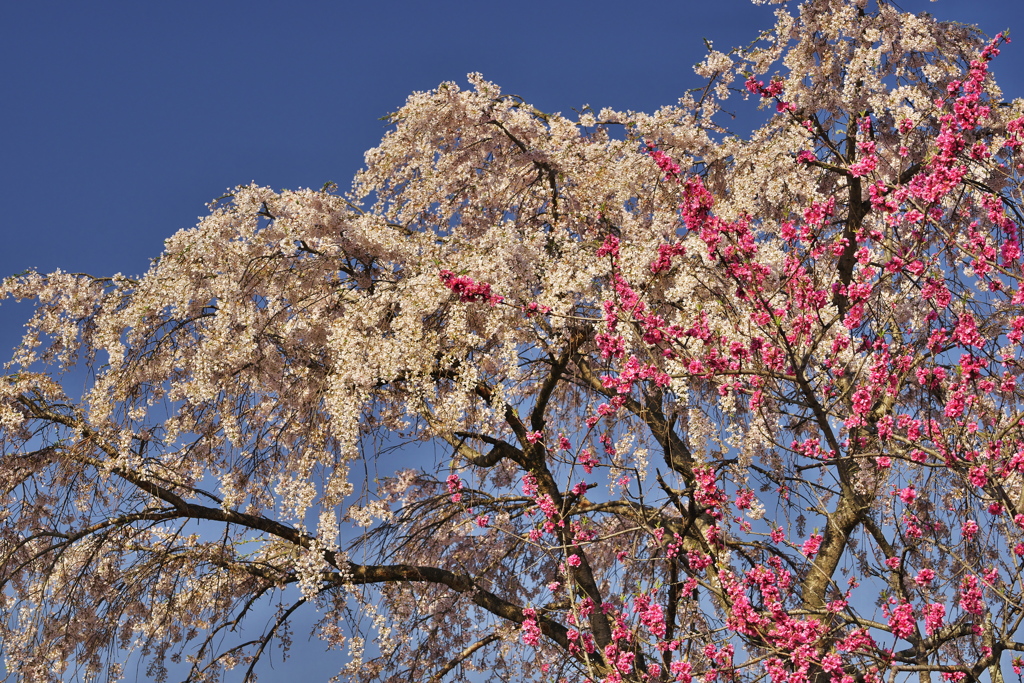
619,397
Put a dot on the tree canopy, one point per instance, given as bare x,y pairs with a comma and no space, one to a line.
617,397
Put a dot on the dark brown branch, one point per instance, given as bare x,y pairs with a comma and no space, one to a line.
461,657
500,450
268,636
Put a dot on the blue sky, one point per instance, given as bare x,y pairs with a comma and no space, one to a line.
122,119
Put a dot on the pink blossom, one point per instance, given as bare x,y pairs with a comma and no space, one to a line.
454,484
967,332
531,632
682,671
970,595
924,577
907,495
587,459
901,620
862,401
912,528
838,605
832,663
610,247
547,506
855,641
811,545
468,289
744,499
864,166
529,485
669,167
934,614
654,619
697,560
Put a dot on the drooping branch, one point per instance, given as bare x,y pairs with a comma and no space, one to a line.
462,656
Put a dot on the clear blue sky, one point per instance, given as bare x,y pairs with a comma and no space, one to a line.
122,119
